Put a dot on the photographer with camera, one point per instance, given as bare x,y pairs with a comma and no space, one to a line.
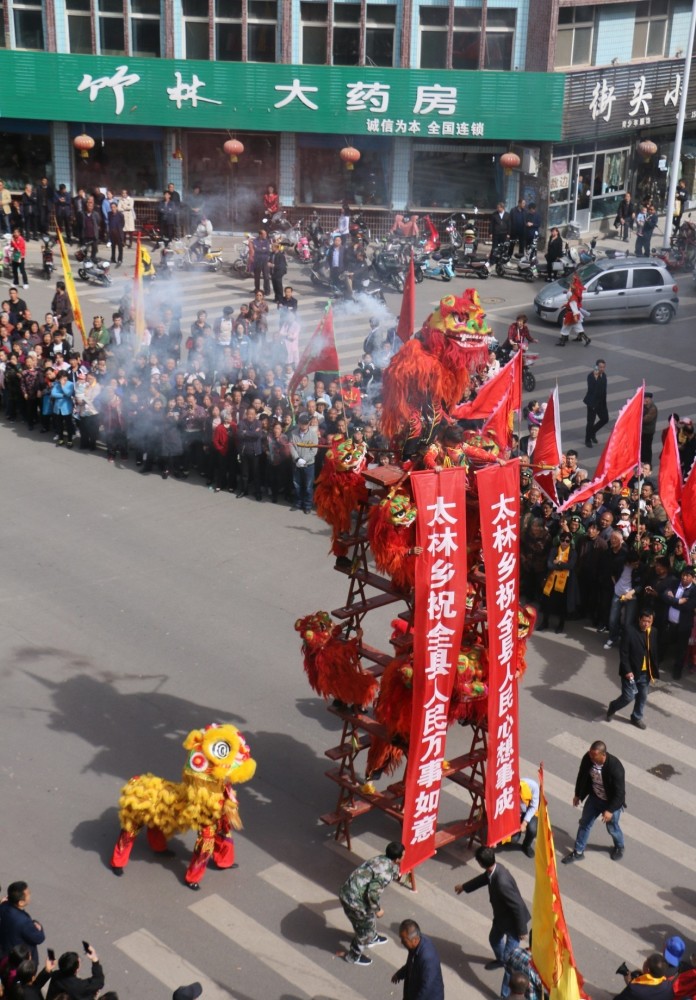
649,984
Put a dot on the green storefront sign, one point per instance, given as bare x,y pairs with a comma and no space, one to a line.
350,101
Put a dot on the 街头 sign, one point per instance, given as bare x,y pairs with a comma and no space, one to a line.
357,100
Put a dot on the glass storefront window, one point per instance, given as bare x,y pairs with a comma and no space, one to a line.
24,158
123,163
322,179
233,194
559,192
453,179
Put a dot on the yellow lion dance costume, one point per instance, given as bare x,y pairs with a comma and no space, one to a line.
203,800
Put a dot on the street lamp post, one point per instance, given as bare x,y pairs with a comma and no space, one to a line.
679,134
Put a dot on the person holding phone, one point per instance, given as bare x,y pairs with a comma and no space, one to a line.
65,979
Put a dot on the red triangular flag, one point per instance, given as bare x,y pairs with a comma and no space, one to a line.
320,354
621,453
489,395
547,451
407,316
670,480
688,509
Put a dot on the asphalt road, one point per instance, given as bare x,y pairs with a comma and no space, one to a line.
136,610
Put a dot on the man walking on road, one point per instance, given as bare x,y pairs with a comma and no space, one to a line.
510,913
638,668
360,897
596,402
601,784
422,974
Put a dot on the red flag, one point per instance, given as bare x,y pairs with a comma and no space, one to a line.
492,391
671,487
499,496
547,451
517,377
501,421
688,508
407,316
621,453
320,354
440,601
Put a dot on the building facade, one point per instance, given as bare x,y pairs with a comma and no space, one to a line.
430,93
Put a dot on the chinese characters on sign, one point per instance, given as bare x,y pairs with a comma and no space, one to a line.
498,488
638,100
373,97
440,599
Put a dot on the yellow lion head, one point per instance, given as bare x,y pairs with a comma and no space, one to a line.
219,752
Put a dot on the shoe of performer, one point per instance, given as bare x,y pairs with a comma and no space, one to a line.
193,885
588,341
118,872
616,853
638,723
569,859
610,715
562,342
495,964
377,940
363,960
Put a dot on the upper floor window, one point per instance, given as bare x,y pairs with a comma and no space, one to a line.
575,38
466,38
110,28
650,29
27,18
99,26
145,28
223,21
355,42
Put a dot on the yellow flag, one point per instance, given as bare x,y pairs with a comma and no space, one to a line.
552,951
70,287
138,298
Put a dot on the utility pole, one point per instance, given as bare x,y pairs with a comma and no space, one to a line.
679,134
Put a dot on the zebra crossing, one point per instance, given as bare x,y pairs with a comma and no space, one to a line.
192,291
288,930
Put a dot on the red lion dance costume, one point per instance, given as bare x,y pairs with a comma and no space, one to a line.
340,488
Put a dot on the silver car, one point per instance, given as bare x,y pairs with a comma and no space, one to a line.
617,288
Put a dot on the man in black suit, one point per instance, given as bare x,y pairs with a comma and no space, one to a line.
596,402
510,913
680,617
638,668
422,974
500,227
336,258
601,784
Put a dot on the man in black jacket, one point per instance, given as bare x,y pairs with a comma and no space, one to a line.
510,913
596,402
680,617
500,227
422,974
638,668
601,784
66,980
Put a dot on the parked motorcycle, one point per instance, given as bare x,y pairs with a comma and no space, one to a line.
363,281
96,271
47,245
681,253
468,267
434,265
275,220
315,231
574,257
199,256
359,230
389,267
508,266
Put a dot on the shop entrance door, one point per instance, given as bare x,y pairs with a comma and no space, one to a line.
583,195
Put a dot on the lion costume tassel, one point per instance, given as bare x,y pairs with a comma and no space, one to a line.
203,800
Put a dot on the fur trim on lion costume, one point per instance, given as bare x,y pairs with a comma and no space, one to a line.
332,662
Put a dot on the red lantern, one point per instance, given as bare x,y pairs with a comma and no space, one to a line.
509,162
177,154
647,148
83,143
350,156
234,149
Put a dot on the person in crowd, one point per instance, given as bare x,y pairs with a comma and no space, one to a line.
116,227
261,246
638,668
18,251
500,228
554,251
510,914
625,216
361,899
304,441
62,206
680,617
422,973
595,400
5,209
30,212
65,980
601,785
16,925
560,586
518,226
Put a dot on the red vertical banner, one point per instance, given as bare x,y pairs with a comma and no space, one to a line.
440,600
499,498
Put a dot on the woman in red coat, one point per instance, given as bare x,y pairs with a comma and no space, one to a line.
19,252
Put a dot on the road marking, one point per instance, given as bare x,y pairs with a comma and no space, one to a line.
667,700
648,783
280,956
637,829
311,895
166,965
661,744
655,359
581,919
670,405
574,387
564,372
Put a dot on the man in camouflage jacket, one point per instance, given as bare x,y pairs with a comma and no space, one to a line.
360,897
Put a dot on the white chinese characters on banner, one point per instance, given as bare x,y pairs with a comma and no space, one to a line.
390,126
182,92
117,83
637,103
440,657
297,92
505,597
